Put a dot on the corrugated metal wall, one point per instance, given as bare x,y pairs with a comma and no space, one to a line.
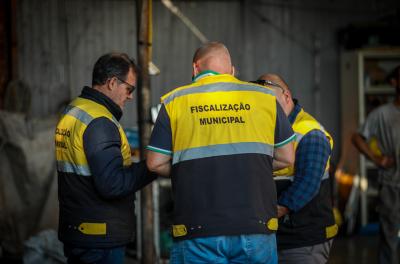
59,41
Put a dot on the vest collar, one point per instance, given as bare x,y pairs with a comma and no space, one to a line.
98,97
204,74
296,110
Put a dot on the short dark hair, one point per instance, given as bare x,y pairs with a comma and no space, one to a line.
112,65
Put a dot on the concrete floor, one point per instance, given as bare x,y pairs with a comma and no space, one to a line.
345,250
354,249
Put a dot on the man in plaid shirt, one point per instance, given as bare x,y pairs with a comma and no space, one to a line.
306,221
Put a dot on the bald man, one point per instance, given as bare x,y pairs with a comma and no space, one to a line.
216,138
306,222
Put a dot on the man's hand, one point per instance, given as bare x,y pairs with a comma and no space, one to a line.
385,162
361,144
282,210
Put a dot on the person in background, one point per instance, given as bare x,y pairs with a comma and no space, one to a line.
379,140
306,221
216,138
97,180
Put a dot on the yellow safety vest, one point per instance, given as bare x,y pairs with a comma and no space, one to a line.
70,153
303,124
221,117
205,116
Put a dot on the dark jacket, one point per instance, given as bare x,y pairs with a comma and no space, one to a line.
108,194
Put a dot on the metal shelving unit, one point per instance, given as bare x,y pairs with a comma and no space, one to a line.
363,88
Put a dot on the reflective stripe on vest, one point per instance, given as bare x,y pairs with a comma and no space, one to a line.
69,167
220,115
227,87
303,124
222,149
77,116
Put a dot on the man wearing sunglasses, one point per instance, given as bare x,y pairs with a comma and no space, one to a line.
306,222
97,180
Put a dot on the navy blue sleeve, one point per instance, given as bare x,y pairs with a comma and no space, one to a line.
283,130
161,136
102,145
312,154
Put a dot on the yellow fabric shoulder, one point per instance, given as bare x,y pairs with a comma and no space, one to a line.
303,124
69,136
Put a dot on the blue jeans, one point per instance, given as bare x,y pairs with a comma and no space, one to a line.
94,255
252,249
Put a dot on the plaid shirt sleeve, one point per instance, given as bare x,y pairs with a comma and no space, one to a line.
312,155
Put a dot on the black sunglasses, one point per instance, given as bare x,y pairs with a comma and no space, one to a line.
266,83
130,87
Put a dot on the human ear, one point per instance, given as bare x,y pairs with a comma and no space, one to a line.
286,96
112,83
195,69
